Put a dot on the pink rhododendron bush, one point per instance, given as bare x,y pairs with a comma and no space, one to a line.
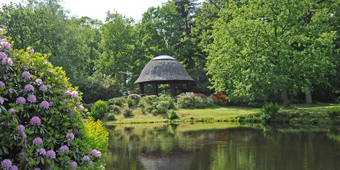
41,117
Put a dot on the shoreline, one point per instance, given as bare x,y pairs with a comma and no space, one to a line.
298,114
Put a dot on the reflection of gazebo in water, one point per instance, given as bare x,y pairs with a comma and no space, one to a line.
163,69
169,162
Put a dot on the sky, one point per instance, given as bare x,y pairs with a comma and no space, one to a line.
96,9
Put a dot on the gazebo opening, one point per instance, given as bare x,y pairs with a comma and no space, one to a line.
163,69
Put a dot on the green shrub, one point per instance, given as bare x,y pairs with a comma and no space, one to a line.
141,104
47,115
149,99
271,109
184,101
191,101
127,112
119,101
333,112
97,135
162,106
172,114
99,109
115,109
111,116
130,102
154,112
135,97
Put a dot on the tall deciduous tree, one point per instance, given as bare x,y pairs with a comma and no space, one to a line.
272,44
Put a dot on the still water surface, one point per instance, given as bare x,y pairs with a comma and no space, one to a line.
220,146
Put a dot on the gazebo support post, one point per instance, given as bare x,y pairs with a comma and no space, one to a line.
141,86
173,94
156,89
187,86
153,89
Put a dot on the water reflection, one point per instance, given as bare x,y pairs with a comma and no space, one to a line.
221,146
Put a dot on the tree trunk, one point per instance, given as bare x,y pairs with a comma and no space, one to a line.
285,98
308,96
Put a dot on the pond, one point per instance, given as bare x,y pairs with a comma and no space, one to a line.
218,146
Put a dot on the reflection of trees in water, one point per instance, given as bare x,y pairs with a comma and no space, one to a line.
232,149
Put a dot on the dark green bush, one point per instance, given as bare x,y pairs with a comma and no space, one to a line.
135,97
190,100
141,104
149,99
154,112
130,102
333,112
119,101
271,109
162,106
99,109
97,87
127,112
115,109
172,114
111,116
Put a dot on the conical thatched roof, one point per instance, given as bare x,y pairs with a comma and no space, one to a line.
163,68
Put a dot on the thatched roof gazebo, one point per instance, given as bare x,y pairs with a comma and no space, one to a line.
163,69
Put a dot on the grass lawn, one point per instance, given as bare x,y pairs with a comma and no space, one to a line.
222,113
216,113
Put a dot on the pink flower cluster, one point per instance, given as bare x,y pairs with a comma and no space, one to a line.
74,94
21,101
31,98
2,84
26,75
63,148
31,51
22,155
96,153
86,158
39,81
84,120
1,31
70,136
40,151
80,107
7,62
5,44
3,55
44,105
35,121
73,165
37,141
50,154
6,164
11,110
14,168
29,87
90,164
43,87
21,128
2,100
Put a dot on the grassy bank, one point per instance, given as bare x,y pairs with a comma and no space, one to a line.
299,113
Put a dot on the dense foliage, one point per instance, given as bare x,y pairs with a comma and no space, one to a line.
41,123
99,109
253,51
284,46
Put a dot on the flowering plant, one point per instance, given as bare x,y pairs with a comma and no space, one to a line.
41,126
220,98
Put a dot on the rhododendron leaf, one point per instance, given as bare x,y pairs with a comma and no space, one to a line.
5,149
